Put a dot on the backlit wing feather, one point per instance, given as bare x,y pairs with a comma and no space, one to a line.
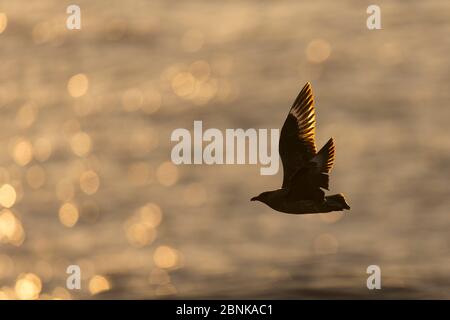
297,140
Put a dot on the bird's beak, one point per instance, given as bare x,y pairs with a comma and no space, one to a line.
254,199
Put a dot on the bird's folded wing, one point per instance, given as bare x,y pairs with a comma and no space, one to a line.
297,140
324,159
306,184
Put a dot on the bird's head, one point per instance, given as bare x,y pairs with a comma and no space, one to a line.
262,197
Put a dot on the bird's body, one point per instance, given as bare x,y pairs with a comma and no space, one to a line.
279,200
305,169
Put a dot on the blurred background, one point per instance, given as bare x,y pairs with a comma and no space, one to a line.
86,176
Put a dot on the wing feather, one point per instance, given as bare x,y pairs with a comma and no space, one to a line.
325,157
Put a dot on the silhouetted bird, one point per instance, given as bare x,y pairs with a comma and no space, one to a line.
305,169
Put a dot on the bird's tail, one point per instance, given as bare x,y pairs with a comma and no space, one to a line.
337,202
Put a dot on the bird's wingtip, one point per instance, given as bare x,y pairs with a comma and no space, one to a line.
346,206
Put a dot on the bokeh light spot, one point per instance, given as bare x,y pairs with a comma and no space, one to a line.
3,21
318,50
150,214
78,85
183,84
132,99
139,235
81,144
28,286
8,195
89,182
68,214
200,69
26,116
167,174
98,284
23,152
11,230
165,257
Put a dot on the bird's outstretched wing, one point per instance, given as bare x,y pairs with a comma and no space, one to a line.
297,140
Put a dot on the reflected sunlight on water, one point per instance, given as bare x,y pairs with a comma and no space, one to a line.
86,177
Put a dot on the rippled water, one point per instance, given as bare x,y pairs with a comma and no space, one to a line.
86,174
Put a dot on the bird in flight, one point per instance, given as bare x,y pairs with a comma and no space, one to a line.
305,171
